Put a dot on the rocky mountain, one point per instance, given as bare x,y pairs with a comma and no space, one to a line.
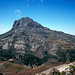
30,37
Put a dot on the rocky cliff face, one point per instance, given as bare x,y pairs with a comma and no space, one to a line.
28,36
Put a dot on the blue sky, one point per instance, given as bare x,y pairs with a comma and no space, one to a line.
55,14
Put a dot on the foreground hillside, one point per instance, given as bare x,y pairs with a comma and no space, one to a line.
30,43
8,68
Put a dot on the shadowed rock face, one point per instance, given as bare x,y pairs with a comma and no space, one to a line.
29,36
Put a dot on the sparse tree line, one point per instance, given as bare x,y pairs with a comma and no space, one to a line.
31,60
27,59
6,54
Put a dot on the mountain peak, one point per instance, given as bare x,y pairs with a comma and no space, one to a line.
26,19
23,22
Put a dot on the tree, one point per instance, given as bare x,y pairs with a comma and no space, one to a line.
72,69
63,73
43,74
55,72
1,73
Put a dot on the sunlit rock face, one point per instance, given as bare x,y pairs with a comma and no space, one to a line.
29,36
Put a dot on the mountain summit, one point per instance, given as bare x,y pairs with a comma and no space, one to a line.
25,22
30,37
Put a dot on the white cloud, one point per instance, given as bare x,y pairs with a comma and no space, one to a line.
41,1
0,29
1,25
18,12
